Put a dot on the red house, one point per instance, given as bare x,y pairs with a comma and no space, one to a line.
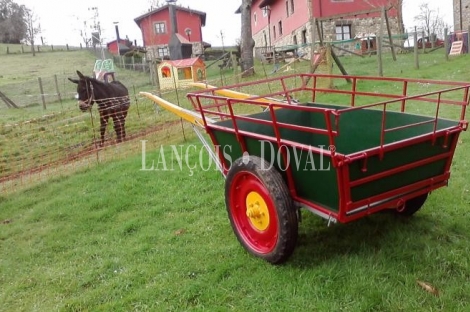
124,46
160,26
287,22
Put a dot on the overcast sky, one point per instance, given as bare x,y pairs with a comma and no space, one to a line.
62,20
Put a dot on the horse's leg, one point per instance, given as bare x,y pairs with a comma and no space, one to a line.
123,116
103,123
118,126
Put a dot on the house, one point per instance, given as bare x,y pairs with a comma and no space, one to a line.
180,73
280,23
125,46
169,23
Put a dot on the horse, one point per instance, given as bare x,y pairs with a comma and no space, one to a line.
112,99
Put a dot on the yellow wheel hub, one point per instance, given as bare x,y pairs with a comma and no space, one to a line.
257,211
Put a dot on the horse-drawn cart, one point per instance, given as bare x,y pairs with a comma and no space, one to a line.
341,162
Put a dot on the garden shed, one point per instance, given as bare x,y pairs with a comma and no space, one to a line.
180,73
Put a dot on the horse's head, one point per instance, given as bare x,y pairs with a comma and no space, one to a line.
84,91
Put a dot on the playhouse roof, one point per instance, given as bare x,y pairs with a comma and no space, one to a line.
183,63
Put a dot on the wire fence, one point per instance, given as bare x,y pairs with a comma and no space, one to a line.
41,142
45,91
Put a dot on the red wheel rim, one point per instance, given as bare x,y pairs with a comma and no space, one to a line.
260,238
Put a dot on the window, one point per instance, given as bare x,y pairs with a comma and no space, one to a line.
343,32
184,73
160,28
265,11
280,28
304,36
292,8
255,18
287,8
274,32
163,52
200,75
294,38
166,72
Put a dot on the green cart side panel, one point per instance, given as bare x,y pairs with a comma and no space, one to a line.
358,131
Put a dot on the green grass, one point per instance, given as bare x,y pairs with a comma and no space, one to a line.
112,237
116,238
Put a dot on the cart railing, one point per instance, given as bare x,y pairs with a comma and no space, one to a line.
308,87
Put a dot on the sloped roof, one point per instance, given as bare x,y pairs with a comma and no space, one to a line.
183,63
182,39
202,15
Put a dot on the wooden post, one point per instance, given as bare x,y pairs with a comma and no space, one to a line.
379,56
235,67
423,42
468,41
133,62
42,93
57,89
446,43
380,44
415,40
312,35
389,31
8,50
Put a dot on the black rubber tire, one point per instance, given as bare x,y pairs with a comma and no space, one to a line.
412,205
277,197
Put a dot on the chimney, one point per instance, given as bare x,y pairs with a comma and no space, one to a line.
172,12
117,33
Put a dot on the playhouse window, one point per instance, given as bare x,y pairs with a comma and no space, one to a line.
166,72
184,73
160,28
200,75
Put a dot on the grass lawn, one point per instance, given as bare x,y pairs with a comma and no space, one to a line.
114,237
117,238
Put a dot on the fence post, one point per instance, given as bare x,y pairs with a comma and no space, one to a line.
446,43
57,89
415,40
133,62
42,93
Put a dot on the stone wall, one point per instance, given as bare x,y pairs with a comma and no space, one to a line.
465,14
359,27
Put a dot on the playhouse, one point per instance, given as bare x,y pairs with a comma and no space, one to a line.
180,73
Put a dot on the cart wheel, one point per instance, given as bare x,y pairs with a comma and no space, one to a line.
412,205
261,210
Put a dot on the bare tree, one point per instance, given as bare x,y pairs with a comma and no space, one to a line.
33,28
247,42
430,20
156,3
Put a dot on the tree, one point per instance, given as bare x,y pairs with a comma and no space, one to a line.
430,20
12,24
156,4
247,42
32,28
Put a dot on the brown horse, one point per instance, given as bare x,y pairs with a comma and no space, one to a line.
112,99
